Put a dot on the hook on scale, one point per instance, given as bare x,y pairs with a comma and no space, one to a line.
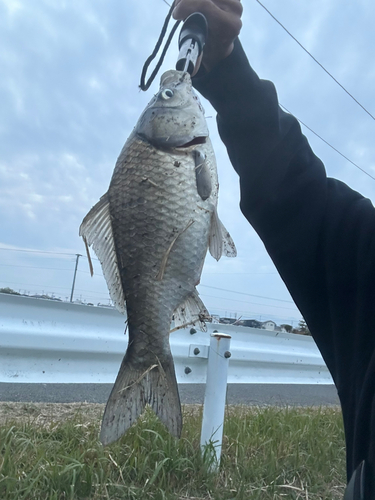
191,42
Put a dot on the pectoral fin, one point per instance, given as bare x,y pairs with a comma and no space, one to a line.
96,230
202,175
220,241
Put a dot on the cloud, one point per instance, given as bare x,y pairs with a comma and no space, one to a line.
70,98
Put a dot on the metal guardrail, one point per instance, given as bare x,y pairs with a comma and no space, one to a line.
46,341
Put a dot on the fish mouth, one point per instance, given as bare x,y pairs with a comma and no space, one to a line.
197,140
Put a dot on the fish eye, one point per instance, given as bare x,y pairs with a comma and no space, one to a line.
167,94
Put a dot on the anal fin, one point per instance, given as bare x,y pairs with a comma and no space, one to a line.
192,311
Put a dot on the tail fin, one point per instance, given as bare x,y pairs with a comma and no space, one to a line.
134,388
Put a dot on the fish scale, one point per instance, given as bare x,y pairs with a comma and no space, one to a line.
151,232
157,202
158,207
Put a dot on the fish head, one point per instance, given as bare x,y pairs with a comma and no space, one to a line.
174,118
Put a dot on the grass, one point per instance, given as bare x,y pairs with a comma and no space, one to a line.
268,453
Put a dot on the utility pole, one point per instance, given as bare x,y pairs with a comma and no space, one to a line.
74,277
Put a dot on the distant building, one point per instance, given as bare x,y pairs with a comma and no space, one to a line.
251,323
269,325
49,297
228,321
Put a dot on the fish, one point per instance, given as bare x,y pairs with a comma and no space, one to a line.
151,231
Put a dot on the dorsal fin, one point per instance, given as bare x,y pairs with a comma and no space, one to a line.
96,231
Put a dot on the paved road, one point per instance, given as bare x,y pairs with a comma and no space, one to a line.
246,394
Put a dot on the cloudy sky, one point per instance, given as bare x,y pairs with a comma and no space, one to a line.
69,97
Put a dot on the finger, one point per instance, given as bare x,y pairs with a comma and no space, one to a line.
215,8
234,6
223,16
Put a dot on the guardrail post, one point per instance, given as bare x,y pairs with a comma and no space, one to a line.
215,396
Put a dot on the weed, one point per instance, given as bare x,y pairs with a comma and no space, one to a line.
268,453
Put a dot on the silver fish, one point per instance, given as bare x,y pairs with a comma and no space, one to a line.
151,232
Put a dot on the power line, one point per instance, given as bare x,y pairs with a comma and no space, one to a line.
230,274
248,302
304,124
33,284
37,267
90,291
36,251
248,294
317,62
254,313
204,286
88,272
45,252
328,144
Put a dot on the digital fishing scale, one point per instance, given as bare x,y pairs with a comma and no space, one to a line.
191,42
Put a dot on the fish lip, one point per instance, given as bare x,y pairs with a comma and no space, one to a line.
166,107
162,143
196,141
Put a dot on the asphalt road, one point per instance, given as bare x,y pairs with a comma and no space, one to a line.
245,394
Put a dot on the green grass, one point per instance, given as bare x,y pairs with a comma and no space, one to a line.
268,453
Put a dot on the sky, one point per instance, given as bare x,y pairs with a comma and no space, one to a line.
69,98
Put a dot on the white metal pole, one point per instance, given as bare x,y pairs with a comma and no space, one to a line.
215,396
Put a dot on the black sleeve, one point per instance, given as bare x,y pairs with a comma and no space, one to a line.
318,231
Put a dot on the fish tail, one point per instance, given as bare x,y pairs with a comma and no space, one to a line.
135,387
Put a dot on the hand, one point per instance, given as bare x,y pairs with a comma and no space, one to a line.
224,25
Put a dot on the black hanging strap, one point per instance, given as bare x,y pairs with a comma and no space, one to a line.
145,85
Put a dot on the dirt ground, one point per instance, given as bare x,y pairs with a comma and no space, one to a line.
42,413
45,413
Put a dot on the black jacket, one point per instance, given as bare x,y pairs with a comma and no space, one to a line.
319,233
